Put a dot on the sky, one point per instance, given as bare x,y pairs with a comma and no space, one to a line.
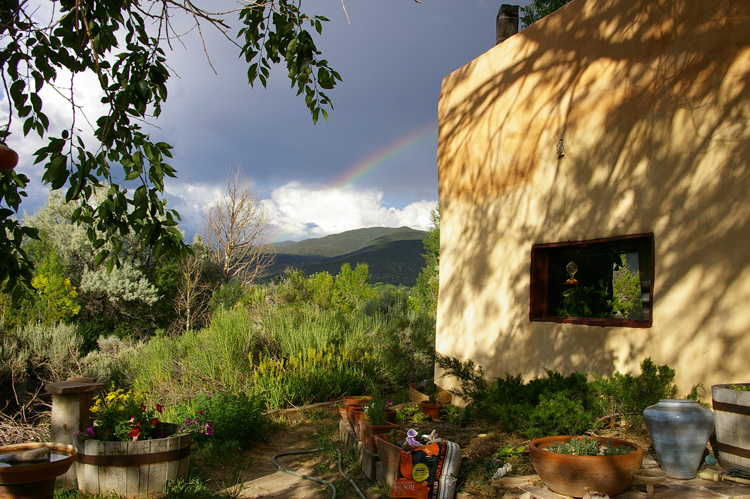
373,163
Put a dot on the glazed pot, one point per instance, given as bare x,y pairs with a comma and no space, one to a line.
679,429
731,416
573,475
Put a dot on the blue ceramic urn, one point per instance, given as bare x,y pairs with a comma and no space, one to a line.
679,429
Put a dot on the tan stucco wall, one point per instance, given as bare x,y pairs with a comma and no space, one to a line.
652,98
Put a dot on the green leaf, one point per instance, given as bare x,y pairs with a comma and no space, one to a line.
100,257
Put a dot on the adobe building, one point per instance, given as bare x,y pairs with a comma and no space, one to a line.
614,134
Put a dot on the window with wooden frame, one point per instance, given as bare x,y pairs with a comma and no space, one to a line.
599,282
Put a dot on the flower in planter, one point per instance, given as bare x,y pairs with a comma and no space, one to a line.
376,411
122,416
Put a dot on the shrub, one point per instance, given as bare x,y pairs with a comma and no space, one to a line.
626,396
557,404
236,418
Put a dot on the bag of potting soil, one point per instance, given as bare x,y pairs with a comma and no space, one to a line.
428,472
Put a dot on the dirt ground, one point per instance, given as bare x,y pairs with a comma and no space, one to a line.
253,475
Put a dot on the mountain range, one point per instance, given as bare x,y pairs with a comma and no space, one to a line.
393,255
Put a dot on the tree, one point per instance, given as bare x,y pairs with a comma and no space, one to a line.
127,297
425,293
236,230
122,44
194,288
538,9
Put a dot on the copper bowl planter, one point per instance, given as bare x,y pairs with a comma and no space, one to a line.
573,475
35,480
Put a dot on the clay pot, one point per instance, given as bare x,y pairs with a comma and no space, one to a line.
8,158
367,433
431,409
353,415
390,415
389,454
359,400
573,475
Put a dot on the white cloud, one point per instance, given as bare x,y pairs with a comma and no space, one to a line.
191,201
298,212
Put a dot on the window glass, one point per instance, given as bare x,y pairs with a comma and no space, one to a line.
607,280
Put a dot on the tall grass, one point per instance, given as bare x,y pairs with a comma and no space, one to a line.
297,329
314,375
213,359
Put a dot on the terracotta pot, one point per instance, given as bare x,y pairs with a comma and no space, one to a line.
359,400
367,433
353,414
342,413
431,409
35,480
389,454
390,415
572,475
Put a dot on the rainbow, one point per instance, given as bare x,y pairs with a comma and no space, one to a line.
378,160
384,156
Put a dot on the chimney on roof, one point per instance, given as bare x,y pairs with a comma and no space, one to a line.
506,24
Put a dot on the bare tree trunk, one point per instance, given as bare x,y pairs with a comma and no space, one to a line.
236,231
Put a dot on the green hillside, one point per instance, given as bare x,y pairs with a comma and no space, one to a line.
394,256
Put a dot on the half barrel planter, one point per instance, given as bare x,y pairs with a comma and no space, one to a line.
732,422
133,470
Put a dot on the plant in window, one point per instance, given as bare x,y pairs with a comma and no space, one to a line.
585,301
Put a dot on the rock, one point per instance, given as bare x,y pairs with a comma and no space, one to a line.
515,482
487,490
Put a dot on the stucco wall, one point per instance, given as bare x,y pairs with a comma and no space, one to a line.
652,98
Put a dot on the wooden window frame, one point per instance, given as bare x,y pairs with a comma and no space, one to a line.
540,258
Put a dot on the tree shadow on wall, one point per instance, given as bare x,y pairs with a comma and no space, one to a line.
681,104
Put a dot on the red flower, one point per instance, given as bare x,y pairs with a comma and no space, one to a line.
153,422
158,408
134,432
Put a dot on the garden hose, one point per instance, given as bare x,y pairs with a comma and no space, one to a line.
318,480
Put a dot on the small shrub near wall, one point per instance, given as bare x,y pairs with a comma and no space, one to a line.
561,405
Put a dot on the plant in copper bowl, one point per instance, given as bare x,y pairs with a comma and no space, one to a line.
572,465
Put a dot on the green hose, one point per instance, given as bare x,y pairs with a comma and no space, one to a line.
318,480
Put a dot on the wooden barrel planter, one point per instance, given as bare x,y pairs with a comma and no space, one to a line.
134,470
732,424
